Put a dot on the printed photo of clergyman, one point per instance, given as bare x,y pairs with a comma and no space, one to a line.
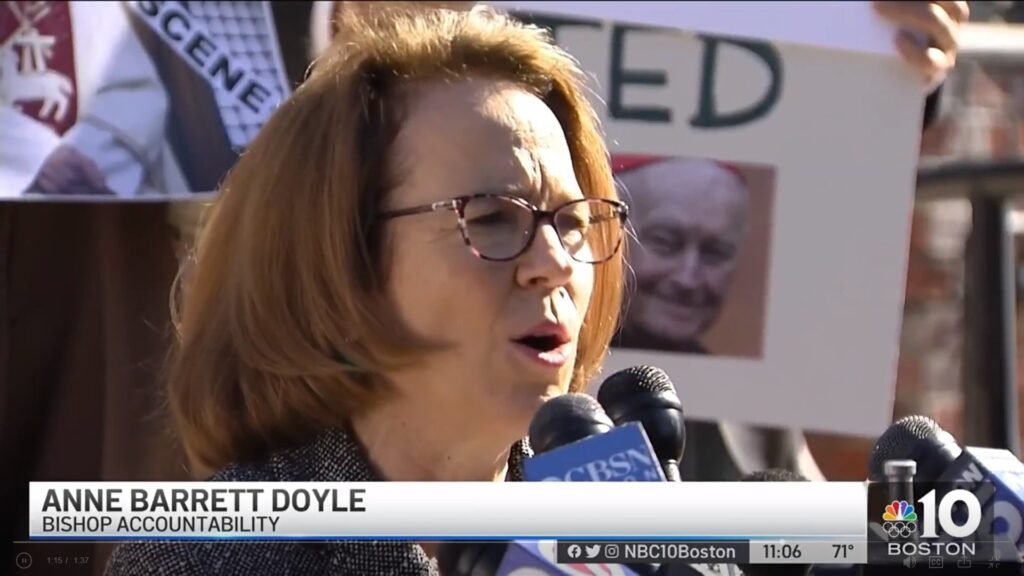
698,254
81,103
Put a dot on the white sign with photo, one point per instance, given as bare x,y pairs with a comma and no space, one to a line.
778,172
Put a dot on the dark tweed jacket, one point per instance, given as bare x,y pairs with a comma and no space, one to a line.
334,457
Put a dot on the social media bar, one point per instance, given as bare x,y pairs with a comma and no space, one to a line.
824,551
657,552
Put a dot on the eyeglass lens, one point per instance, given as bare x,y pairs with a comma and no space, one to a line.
500,228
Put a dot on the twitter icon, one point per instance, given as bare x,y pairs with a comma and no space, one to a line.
592,551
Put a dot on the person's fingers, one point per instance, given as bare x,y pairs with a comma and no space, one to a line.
54,187
55,175
68,172
931,62
91,172
83,168
44,183
51,174
928,19
945,30
960,12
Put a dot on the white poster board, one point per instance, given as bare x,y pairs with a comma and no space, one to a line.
819,131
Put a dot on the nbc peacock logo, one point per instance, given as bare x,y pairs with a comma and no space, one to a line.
899,519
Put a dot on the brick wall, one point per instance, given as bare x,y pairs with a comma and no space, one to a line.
982,119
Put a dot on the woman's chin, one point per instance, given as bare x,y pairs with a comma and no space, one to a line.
519,413
512,412
545,393
554,392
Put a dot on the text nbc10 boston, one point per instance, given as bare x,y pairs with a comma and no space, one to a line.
943,522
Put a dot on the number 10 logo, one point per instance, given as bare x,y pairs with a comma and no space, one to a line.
901,519
944,511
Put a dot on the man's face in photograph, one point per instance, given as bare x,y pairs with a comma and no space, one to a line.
690,219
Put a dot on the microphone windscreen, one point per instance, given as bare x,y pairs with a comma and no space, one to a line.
916,438
566,419
646,394
774,475
630,382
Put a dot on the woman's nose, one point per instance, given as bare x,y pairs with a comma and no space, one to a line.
545,262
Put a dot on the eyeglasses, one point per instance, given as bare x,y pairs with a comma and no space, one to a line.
501,227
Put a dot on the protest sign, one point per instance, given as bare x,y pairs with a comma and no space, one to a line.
770,165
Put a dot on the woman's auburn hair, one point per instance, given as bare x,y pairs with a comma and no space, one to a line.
284,328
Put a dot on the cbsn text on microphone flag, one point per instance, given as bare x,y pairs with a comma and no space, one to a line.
574,441
620,454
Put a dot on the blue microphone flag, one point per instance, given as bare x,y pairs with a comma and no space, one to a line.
623,454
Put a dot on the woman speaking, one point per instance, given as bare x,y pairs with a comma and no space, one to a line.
421,246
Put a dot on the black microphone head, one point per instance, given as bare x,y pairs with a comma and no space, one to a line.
645,394
470,558
916,438
774,475
565,419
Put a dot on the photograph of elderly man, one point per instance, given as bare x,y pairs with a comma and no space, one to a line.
693,219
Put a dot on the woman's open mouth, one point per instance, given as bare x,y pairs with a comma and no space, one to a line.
549,345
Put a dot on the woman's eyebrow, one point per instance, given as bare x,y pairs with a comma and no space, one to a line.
525,192
532,195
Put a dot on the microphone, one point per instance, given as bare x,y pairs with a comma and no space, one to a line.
916,438
571,432
774,475
575,441
566,419
940,459
645,394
